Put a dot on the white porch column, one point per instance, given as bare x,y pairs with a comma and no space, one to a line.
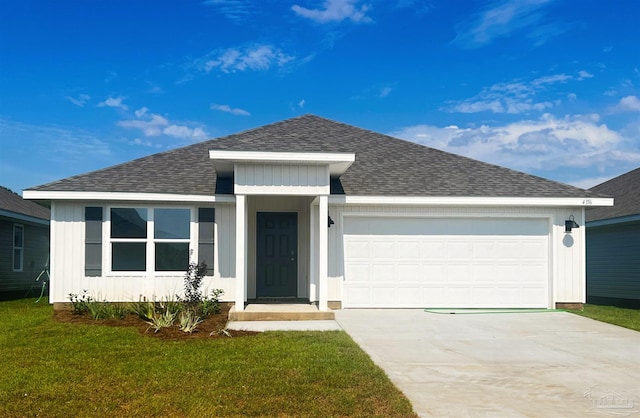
323,256
313,275
241,251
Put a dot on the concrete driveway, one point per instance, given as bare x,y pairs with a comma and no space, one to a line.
551,364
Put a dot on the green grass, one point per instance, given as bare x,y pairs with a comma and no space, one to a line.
628,318
59,369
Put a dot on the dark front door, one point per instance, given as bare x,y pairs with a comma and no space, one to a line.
277,254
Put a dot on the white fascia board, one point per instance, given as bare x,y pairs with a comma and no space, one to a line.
470,201
124,196
338,162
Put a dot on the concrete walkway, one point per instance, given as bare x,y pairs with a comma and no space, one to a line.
552,364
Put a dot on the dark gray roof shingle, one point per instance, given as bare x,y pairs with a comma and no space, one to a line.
11,202
384,166
625,189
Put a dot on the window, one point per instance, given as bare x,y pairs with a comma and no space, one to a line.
206,218
128,239
171,239
18,247
93,241
144,238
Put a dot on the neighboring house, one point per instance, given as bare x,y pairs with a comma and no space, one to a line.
613,244
314,210
24,244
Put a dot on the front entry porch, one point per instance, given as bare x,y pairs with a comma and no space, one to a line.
281,227
279,312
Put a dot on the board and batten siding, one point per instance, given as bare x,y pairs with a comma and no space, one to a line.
566,258
290,179
67,259
613,261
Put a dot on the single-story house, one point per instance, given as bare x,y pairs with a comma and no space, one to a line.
24,245
313,210
613,244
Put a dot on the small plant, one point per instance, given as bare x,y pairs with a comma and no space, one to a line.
145,310
80,302
221,331
161,320
188,321
97,309
211,305
172,306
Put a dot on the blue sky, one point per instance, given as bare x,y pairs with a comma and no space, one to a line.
541,86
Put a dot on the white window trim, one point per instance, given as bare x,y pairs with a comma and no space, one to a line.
150,241
13,253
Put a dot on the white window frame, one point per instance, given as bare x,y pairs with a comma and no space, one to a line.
150,241
19,248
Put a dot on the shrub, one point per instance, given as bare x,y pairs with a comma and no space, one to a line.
211,305
80,302
193,282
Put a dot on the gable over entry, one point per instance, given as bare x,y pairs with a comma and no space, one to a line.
280,174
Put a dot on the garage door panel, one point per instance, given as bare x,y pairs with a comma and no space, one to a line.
459,250
408,273
358,249
383,273
408,249
383,249
446,262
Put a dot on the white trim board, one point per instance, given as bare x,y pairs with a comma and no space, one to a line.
470,201
126,196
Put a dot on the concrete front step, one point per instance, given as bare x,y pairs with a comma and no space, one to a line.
280,312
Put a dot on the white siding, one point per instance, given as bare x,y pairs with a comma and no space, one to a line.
271,179
67,260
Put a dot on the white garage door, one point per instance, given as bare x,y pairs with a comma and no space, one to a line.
446,262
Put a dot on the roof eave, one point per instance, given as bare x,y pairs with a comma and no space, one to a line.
471,201
125,196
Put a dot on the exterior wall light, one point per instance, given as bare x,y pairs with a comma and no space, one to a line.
330,222
569,224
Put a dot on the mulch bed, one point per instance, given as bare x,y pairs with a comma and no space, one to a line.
210,327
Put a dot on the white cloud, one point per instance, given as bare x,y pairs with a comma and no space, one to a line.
628,104
502,19
385,91
335,11
149,127
229,109
154,125
256,58
80,101
514,97
235,10
584,74
301,104
114,102
141,112
543,144
551,79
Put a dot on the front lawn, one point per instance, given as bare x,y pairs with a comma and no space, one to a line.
58,369
628,318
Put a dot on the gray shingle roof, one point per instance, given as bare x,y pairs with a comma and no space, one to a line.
11,202
625,189
384,166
